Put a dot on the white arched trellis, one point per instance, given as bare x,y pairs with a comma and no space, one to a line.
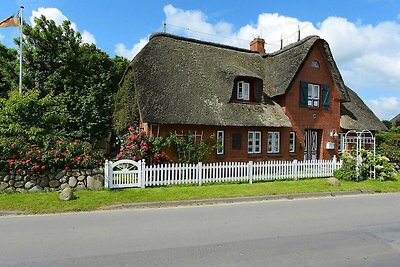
361,139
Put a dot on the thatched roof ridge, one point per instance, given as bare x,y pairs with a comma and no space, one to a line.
355,115
181,81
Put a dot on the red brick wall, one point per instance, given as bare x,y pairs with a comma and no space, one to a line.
324,120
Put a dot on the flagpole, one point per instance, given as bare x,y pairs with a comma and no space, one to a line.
20,47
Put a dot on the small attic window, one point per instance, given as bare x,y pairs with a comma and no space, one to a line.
243,91
314,64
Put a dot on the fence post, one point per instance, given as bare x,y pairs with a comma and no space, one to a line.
106,173
199,171
142,173
250,171
295,170
334,163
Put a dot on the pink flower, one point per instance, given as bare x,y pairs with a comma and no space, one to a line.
131,129
43,167
30,152
12,145
19,170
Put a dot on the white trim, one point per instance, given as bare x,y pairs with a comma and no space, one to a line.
254,142
313,95
292,142
243,91
273,142
221,139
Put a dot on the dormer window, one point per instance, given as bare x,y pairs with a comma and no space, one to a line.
314,64
243,91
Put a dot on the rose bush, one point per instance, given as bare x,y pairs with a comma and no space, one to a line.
137,145
28,158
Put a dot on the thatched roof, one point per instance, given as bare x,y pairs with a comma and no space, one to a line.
395,119
355,115
185,81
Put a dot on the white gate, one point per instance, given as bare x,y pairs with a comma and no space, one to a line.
123,173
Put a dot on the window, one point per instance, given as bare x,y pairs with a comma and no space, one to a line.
313,95
273,142
236,141
314,64
292,142
254,142
220,142
243,91
341,142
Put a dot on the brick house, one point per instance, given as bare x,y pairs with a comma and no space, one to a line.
286,105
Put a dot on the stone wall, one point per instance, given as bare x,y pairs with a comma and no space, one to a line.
56,180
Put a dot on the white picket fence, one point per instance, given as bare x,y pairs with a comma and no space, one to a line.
129,173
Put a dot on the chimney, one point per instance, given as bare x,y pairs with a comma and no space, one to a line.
257,45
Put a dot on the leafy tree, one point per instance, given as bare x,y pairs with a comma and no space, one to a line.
388,124
30,116
81,76
8,70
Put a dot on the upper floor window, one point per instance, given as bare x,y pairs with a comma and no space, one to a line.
313,95
314,64
243,91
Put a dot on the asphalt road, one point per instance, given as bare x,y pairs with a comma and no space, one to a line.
359,230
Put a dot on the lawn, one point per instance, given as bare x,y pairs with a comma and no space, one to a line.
40,203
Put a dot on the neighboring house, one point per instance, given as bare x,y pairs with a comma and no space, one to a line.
286,105
396,120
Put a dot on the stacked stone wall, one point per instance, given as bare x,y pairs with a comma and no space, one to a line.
92,179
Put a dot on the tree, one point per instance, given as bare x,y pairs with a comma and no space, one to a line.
8,70
388,124
81,76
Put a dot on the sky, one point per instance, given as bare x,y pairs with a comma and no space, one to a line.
364,35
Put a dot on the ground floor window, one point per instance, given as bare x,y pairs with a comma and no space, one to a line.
273,142
292,142
220,142
254,142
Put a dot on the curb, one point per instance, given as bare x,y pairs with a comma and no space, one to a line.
210,201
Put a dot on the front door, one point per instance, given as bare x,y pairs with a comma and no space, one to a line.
310,144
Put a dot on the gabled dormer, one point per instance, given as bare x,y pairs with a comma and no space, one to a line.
247,90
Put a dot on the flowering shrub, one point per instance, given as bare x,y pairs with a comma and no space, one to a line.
137,145
28,158
388,144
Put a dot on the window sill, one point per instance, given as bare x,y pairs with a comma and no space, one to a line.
255,155
274,154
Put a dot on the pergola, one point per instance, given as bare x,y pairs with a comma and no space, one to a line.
360,140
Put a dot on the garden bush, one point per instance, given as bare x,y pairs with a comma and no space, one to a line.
384,169
18,156
137,145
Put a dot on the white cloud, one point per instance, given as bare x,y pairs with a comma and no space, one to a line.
122,50
56,15
1,38
385,107
88,38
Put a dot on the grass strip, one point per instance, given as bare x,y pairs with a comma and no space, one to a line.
41,203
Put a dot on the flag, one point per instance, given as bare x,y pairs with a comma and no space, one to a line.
12,21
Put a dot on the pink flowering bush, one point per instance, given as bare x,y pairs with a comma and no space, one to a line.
27,158
137,145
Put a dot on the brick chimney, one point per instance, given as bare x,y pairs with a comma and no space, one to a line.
257,45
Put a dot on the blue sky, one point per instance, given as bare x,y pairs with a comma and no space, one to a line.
364,35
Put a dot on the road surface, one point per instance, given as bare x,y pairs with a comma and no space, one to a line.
361,230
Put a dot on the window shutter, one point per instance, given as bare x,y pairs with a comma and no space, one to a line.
325,96
303,94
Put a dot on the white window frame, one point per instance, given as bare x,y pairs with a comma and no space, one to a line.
254,142
341,142
292,142
273,142
243,91
220,140
313,95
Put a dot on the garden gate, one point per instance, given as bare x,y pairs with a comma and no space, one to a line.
123,173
